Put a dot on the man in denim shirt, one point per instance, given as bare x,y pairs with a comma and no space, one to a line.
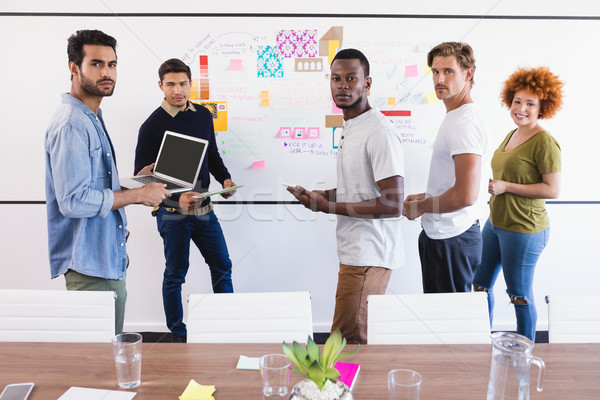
87,227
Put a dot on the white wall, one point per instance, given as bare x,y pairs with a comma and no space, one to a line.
262,238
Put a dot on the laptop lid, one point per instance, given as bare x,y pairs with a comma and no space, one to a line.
180,158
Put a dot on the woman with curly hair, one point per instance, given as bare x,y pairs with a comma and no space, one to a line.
526,170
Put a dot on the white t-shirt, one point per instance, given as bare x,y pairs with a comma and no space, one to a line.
462,131
370,150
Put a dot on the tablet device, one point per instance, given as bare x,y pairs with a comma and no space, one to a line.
16,391
207,194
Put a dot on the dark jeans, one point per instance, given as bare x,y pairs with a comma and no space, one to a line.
205,231
448,265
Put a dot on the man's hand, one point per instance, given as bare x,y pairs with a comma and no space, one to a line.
226,185
187,203
313,200
147,170
411,206
152,194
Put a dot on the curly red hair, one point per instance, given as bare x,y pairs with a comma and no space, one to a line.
539,81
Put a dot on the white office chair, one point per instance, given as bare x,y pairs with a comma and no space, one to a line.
56,316
249,317
446,318
573,318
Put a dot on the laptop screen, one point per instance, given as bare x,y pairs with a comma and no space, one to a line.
179,157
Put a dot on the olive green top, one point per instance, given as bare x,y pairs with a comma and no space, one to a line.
524,164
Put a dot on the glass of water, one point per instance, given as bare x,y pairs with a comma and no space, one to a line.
127,349
275,373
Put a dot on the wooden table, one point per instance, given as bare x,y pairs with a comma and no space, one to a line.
449,372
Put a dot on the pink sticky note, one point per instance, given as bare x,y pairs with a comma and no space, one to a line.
235,65
260,164
411,71
335,109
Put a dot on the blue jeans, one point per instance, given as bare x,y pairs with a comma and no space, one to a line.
205,231
516,254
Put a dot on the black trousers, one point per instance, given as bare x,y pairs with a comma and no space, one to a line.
448,265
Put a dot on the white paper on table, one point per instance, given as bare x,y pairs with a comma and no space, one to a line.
79,393
248,363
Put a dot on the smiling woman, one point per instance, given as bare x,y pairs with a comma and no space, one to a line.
526,170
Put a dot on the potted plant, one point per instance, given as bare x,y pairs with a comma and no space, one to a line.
321,377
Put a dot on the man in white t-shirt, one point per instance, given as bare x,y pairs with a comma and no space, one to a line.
450,243
368,197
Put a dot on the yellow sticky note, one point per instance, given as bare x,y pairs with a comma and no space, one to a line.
391,101
431,98
333,46
427,69
264,102
196,391
264,94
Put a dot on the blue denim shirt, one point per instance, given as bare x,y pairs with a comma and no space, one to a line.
81,176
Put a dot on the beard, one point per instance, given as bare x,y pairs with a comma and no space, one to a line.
93,88
347,107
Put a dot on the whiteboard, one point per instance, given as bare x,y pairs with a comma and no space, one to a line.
252,147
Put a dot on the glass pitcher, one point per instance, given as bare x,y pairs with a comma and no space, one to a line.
511,359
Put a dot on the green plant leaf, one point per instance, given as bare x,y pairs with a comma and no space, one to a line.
346,354
300,353
316,374
314,353
332,348
332,373
287,350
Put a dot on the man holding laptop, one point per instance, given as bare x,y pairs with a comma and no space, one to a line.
87,227
183,217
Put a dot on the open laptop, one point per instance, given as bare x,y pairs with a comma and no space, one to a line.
177,165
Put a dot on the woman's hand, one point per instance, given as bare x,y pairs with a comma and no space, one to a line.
497,187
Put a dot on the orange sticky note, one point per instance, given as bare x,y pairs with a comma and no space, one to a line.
391,101
264,94
264,103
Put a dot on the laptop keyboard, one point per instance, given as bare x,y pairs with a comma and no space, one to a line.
151,178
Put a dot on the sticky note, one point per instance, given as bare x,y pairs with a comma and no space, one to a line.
264,102
260,164
313,132
431,98
335,109
264,94
391,101
298,133
334,121
411,71
427,69
196,391
248,363
235,65
334,45
285,132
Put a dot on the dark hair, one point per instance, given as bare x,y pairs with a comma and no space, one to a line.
173,65
77,40
352,54
462,51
